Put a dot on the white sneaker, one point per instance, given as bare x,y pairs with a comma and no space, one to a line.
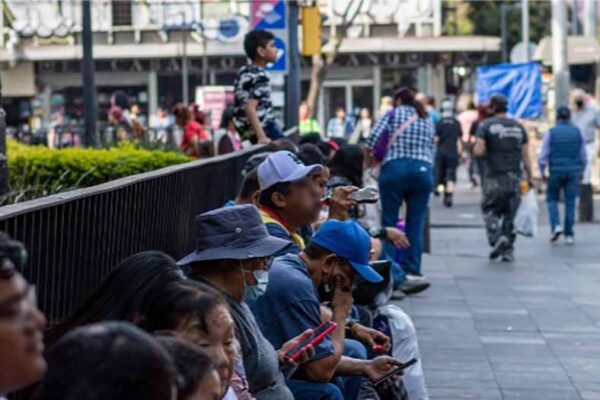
556,232
415,278
569,240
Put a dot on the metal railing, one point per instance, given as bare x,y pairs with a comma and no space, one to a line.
75,238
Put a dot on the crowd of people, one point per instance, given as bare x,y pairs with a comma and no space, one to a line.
324,233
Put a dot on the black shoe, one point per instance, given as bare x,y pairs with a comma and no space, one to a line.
448,199
499,247
508,256
398,295
413,287
556,232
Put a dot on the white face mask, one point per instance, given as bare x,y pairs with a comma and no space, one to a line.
253,292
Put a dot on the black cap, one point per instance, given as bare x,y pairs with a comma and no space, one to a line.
563,113
499,103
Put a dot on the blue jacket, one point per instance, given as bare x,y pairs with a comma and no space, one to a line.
563,149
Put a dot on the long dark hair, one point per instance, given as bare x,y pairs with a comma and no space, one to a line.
121,293
348,163
108,360
178,302
407,97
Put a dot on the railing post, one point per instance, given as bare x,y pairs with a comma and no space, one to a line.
4,186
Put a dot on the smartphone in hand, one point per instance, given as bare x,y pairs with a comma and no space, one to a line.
317,337
394,372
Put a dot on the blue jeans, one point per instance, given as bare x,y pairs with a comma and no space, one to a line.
341,388
568,182
411,182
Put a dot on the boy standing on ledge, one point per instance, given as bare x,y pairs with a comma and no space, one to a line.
253,110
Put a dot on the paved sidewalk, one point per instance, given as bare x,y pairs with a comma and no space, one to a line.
528,330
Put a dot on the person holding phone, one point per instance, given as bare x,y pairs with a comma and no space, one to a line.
233,254
298,284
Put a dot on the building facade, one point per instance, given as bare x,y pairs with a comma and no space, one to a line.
139,47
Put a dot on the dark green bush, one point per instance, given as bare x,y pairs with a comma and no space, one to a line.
37,171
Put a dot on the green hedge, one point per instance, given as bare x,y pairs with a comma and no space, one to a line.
37,171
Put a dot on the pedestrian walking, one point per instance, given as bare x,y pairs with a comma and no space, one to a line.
448,140
504,143
406,174
564,152
587,118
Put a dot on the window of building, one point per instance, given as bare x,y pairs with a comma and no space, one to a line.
121,12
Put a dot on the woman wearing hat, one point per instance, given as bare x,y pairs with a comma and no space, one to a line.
233,254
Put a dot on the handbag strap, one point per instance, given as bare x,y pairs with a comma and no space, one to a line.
402,128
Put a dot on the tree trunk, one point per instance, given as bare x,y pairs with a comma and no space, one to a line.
317,75
321,62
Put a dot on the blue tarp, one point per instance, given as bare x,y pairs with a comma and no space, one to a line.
520,83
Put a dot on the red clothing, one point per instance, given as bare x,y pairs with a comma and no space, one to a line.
192,129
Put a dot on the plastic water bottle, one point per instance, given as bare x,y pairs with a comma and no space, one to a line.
401,225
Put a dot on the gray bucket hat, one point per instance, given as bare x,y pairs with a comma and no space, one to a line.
232,233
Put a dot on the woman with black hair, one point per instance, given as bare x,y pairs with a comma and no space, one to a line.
406,175
199,314
198,378
121,293
109,360
347,166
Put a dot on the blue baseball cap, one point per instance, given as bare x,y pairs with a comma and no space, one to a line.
351,242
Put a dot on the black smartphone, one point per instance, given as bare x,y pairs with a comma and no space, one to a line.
317,337
394,372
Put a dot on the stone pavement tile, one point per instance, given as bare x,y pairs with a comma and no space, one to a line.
486,322
588,390
563,393
512,337
472,393
533,352
532,380
443,324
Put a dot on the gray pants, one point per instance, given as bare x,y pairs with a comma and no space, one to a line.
501,199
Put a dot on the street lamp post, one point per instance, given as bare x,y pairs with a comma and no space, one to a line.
184,62
560,67
525,27
89,85
3,161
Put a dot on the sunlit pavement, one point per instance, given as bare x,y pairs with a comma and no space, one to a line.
490,330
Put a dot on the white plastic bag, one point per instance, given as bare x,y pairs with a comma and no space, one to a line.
526,220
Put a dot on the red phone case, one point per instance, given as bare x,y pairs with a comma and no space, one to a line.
314,341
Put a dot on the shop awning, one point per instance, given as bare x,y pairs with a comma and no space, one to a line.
194,49
580,50
125,51
18,81
420,45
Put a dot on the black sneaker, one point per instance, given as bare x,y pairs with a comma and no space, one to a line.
413,287
448,200
398,295
508,256
556,232
499,247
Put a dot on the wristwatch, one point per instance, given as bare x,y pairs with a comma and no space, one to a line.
378,233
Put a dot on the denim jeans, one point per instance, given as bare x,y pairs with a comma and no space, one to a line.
411,182
340,388
272,131
568,182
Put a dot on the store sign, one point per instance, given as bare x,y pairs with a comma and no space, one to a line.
230,64
271,15
376,59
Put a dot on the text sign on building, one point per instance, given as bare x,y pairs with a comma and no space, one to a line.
271,15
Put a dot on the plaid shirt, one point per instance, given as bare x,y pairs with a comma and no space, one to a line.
416,142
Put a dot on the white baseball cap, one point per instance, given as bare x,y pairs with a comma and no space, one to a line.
284,166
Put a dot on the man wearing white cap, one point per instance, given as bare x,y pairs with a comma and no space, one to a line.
290,198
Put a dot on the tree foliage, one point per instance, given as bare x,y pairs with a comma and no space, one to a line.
483,18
